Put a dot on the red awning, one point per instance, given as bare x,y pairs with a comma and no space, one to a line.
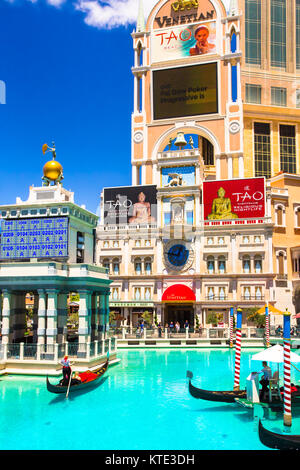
179,293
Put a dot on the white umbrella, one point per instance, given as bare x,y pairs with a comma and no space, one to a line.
274,354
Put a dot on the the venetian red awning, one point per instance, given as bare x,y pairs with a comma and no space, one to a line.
179,293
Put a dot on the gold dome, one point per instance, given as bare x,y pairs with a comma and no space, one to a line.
52,170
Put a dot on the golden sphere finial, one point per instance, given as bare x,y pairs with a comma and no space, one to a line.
53,171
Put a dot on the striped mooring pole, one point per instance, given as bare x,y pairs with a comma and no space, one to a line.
238,344
231,328
267,325
287,408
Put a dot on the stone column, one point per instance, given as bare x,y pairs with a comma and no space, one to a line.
6,316
62,317
94,317
35,318
41,330
51,330
84,314
107,311
102,313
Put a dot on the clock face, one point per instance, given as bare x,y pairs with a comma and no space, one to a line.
178,255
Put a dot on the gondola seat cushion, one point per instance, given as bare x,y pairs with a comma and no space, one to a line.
87,376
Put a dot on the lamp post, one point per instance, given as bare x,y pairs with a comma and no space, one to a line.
238,342
287,413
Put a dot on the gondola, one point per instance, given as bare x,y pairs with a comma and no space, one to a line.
278,441
83,385
225,396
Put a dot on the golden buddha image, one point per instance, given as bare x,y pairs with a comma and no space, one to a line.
221,207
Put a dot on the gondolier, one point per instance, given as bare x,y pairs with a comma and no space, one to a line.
66,364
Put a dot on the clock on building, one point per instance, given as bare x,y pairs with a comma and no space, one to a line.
178,255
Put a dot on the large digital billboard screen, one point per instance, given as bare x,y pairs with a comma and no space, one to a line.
181,42
185,91
34,238
130,205
234,199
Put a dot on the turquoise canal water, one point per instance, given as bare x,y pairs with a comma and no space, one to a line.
143,403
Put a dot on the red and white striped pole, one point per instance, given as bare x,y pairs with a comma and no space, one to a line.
238,347
231,328
287,396
267,325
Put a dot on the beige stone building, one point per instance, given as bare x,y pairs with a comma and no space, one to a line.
215,106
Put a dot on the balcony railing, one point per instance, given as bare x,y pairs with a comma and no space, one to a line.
154,333
54,352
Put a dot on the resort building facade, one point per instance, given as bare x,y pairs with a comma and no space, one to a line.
47,252
211,219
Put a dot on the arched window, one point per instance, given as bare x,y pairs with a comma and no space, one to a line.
221,293
246,265
210,265
148,266
106,264
211,293
139,54
208,152
298,217
258,293
137,293
138,266
281,263
279,215
147,293
221,265
116,267
258,264
247,293
115,293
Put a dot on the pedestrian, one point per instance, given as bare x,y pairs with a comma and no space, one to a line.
159,329
267,375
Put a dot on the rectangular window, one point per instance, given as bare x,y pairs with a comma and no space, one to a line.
278,33
253,93
287,148
278,96
253,32
298,35
262,149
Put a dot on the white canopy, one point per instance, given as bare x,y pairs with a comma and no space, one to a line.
274,354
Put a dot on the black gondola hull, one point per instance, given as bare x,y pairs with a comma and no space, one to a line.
278,441
75,388
225,396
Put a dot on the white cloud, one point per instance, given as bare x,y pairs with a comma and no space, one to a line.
112,14
115,12
56,3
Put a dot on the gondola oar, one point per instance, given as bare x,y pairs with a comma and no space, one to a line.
70,379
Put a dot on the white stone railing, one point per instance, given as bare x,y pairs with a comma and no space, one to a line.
54,352
130,332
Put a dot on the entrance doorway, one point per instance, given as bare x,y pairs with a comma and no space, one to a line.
180,313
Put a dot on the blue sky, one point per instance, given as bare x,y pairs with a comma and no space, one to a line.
67,70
